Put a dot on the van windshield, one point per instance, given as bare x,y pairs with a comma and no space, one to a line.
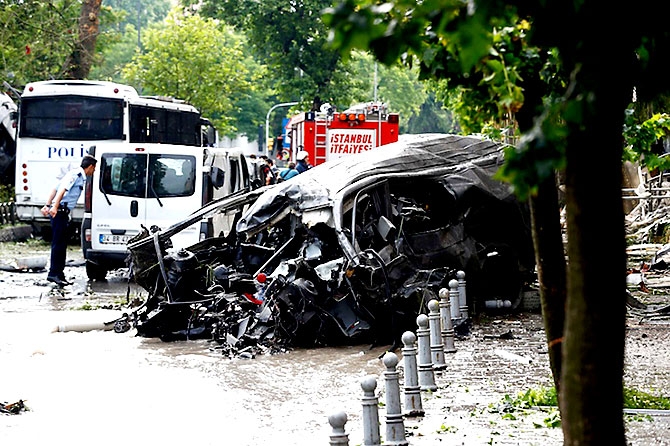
128,174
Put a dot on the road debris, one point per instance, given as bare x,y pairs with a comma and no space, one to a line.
13,408
24,264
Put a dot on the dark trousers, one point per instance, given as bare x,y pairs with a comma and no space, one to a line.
59,238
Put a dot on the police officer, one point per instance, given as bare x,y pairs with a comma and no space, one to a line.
61,202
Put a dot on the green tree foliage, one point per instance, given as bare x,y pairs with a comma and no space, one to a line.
198,60
116,50
397,86
139,13
37,37
120,36
433,118
251,110
291,38
644,141
402,90
52,40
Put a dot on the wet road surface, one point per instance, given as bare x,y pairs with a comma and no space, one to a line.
105,388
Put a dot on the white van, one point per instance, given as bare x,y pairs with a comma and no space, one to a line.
152,186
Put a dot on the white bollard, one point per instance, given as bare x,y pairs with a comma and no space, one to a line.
425,366
338,437
371,436
413,406
436,346
395,427
462,297
447,324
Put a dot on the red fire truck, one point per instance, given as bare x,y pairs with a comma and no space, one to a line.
328,134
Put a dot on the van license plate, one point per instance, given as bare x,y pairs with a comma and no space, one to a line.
114,239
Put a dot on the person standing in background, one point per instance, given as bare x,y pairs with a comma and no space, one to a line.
274,168
268,175
60,203
288,172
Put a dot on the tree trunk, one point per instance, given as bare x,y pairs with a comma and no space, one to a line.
78,64
550,261
547,237
594,340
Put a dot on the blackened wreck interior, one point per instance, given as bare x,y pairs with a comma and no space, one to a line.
348,252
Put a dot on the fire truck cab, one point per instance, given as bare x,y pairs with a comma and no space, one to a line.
328,134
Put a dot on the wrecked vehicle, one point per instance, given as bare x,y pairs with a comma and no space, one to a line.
8,112
348,252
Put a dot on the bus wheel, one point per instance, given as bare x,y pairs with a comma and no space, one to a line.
95,272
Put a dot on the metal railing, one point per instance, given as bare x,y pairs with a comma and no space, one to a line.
650,194
8,213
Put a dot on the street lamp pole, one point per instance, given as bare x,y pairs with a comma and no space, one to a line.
267,124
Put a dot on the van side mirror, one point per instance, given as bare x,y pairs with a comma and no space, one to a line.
217,175
211,136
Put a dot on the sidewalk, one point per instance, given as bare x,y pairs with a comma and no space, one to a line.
506,356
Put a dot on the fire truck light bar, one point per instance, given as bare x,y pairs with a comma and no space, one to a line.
360,117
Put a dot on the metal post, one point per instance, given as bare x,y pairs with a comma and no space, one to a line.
338,437
462,298
436,346
455,309
447,324
413,406
426,373
371,436
267,123
395,427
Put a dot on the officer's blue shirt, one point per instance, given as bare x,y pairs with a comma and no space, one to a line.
73,183
302,166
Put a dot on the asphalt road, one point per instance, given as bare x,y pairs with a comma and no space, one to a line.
80,385
23,272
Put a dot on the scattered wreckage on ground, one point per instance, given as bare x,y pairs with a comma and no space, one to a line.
349,252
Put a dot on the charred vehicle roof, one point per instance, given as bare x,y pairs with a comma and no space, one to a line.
350,251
